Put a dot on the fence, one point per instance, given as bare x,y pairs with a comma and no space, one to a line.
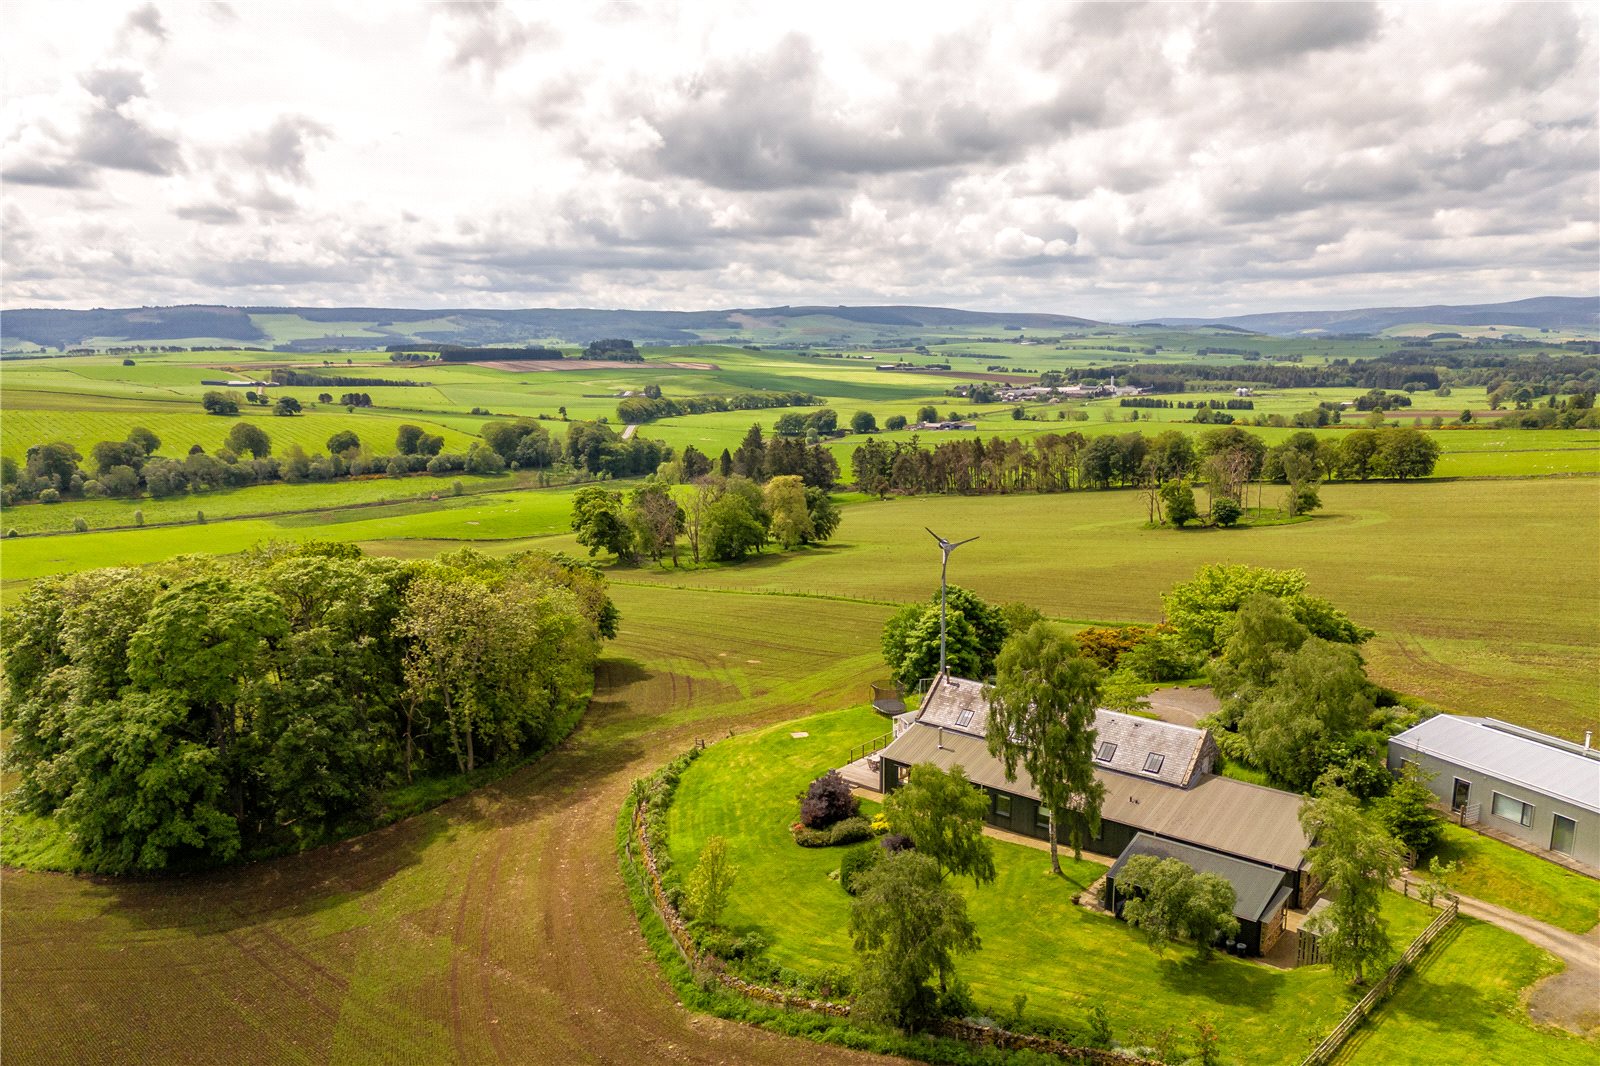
1324,1051
865,748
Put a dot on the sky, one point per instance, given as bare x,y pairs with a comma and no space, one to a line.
1114,161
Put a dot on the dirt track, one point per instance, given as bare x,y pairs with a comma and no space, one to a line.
494,929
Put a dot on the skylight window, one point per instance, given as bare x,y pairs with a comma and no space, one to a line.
1152,763
965,717
1107,752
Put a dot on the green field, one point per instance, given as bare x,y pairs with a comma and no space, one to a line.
1512,878
1035,940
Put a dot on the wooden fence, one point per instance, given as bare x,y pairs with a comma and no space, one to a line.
1324,1052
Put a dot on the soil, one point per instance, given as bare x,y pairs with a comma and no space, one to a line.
534,365
495,928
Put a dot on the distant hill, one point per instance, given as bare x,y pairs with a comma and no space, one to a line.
319,328
1547,312
310,329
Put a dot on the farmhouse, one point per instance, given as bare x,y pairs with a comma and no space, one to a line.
1159,788
1518,782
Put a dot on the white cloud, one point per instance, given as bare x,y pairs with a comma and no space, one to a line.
1164,158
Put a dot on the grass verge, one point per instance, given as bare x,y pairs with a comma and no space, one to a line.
1509,877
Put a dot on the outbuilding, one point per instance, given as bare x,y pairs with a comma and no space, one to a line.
1261,893
1536,788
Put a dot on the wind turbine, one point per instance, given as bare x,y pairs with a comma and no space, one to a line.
945,548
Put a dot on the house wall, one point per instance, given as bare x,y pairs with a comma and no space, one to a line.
1586,837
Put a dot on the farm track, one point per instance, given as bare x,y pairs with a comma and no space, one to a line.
492,929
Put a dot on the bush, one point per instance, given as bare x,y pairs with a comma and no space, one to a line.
854,862
1163,657
200,517
49,496
456,488
828,800
895,842
1225,512
810,838
850,831
10,533
80,525
138,518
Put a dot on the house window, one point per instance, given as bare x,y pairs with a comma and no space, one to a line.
903,774
1042,818
1002,806
1512,809
1153,761
1405,762
1107,752
965,719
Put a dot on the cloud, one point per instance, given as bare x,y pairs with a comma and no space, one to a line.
281,149
1117,160
1248,34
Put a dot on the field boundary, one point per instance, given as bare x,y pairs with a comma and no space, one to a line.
1324,1052
707,966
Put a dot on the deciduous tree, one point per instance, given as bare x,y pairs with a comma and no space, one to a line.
943,813
1355,859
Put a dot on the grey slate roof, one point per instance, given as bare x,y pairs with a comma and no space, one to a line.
1219,813
1539,762
1257,888
958,703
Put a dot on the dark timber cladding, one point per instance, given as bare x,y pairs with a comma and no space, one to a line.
1156,776
1262,892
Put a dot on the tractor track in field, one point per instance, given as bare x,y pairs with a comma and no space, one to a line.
493,929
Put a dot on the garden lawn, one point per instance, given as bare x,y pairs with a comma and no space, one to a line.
1035,939
1463,1004
1510,877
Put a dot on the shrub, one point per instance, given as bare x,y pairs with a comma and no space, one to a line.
854,862
200,517
1106,644
49,496
828,800
850,831
80,525
1163,657
1225,512
456,488
810,838
11,533
138,518
895,842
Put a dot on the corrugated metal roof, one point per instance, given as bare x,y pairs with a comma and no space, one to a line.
1255,886
1130,741
1547,765
1220,813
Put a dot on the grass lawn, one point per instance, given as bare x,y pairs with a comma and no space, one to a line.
1463,1005
1035,940
1499,873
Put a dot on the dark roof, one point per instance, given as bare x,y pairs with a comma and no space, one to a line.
959,703
1256,887
1258,823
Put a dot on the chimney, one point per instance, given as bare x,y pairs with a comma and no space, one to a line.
941,738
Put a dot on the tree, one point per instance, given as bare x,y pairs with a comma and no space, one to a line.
750,458
695,463
785,500
1202,609
943,814
219,403
735,523
863,422
1225,512
976,631
147,441
407,438
824,514
1178,499
1355,859
1405,453
894,423
906,925
1041,716
656,520
1318,697
1407,813
1169,901
599,522
343,441
710,882
248,437
286,406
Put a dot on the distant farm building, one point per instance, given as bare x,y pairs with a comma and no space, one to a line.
1517,782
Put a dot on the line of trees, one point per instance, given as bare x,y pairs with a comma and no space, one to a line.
1226,458
287,376
637,410
205,710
